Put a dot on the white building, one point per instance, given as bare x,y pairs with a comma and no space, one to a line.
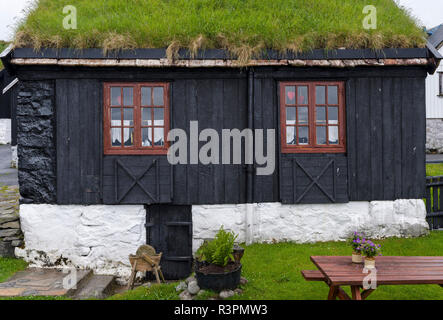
434,100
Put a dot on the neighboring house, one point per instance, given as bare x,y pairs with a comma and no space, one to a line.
95,180
434,99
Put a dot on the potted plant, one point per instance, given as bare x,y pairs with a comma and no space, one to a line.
216,267
355,241
370,250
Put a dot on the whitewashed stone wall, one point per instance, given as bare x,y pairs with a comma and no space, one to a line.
95,237
101,237
434,135
5,131
311,223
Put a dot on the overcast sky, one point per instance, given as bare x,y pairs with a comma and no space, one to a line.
429,12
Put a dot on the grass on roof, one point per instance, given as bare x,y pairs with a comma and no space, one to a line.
241,26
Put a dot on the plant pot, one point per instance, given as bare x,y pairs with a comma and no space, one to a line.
356,257
238,253
369,263
219,281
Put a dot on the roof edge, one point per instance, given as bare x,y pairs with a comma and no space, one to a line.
215,54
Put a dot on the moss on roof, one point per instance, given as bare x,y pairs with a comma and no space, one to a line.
240,26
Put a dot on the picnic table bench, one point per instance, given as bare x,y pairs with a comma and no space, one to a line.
338,271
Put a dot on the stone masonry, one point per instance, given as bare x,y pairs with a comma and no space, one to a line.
36,141
10,233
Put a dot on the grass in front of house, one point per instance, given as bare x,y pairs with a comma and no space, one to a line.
274,271
434,169
241,26
9,266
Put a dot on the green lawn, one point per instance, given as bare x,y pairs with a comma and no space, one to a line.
240,26
434,169
273,271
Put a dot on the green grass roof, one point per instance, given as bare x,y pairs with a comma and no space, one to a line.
240,26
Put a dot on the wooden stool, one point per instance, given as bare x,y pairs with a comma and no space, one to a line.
145,260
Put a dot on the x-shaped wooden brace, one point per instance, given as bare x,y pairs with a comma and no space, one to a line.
314,181
136,181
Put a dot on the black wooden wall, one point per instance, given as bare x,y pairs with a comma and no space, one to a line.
385,158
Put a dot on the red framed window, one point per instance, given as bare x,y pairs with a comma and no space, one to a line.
136,118
312,117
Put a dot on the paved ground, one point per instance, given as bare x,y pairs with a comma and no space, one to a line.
8,176
434,158
40,282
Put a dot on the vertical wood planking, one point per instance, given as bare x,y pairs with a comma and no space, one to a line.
376,154
363,149
389,138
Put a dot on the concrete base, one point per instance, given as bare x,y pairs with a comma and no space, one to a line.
101,237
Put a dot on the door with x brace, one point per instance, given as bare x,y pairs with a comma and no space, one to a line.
137,180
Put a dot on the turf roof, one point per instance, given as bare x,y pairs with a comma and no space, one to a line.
240,26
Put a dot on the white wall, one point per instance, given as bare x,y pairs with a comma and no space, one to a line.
100,237
434,103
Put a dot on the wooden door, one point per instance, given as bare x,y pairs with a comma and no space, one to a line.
169,230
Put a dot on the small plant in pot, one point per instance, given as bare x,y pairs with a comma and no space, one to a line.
356,241
370,250
216,267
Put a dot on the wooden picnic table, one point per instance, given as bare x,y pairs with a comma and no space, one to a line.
338,271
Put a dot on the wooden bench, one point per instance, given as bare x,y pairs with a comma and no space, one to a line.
313,275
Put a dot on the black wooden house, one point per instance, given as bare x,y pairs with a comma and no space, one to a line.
92,130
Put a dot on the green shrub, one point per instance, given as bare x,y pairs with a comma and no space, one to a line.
219,250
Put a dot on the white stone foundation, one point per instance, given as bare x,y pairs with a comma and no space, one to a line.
304,223
101,237
5,131
95,237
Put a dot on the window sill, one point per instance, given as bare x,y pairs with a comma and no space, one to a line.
302,150
135,152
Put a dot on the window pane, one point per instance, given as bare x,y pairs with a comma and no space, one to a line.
158,96
116,99
302,95
159,137
146,137
320,95
303,115
128,96
128,117
321,135
116,117
332,95
291,137
159,117
290,94
146,96
303,135
333,115
320,114
333,135
116,137
129,136
290,115
146,117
